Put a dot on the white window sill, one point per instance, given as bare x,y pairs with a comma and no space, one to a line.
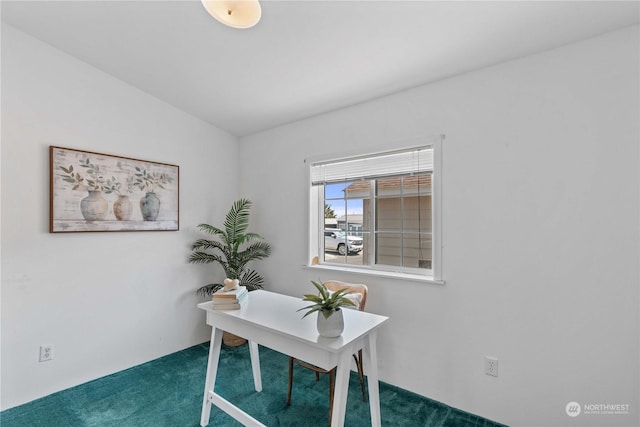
378,273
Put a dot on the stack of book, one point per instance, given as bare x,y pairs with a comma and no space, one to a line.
230,300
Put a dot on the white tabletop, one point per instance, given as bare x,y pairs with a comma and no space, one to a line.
272,320
286,320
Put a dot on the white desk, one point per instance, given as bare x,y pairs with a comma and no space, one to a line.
271,320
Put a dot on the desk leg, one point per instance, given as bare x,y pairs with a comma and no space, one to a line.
372,378
341,389
212,370
255,365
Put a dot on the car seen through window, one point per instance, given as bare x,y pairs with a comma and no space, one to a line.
339,241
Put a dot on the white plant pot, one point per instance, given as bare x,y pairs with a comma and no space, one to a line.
331,326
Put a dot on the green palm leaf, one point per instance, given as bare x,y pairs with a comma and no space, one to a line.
252,280
237,222
258,250
211,229
204,244
205,258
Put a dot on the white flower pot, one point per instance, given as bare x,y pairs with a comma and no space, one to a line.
331,326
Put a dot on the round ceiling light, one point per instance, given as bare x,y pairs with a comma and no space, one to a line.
234,13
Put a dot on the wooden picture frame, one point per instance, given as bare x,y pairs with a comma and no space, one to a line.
101,192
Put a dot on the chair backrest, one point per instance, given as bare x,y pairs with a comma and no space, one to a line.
336,285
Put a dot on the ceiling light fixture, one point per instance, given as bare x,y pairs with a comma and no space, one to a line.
234,13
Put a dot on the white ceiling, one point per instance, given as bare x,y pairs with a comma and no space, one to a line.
304,57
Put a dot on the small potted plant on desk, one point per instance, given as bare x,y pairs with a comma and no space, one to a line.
233,249
330,322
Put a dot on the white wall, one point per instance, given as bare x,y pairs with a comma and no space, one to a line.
106,301
541,244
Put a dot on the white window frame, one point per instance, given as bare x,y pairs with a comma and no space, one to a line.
316,219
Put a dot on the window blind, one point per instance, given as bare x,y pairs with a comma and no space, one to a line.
413,161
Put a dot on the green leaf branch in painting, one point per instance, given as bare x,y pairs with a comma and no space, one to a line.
94,177
93,180
72,178
114,185
117,185
150,181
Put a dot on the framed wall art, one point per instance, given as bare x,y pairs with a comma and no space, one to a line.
100,192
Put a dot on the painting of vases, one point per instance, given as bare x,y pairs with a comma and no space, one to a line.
100,192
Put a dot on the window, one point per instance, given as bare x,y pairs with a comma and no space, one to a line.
378,212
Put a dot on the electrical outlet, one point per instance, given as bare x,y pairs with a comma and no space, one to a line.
46,352
491,366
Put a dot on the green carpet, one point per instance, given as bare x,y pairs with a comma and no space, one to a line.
168,392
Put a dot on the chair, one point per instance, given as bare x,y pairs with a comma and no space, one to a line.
358,294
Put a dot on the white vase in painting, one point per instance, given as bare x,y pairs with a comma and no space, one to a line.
94,207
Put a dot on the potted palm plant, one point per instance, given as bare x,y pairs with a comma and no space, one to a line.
328,305
233,248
